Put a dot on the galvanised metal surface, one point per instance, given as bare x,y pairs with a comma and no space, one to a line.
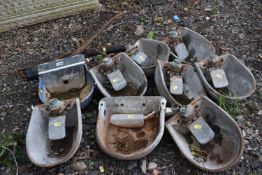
241,82
192,86
40,149
218,154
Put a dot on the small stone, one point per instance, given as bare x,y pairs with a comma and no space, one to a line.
240,118
169,21
139,30
259,112
241,36
246,142
143,166
132,165
173,34
208,9
207,18
3,114
152,165
78,166
255,165
260,158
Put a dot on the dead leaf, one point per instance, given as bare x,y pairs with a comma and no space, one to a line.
155,172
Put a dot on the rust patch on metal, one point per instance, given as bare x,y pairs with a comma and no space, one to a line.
131,89
220,150
212,64
74,93
127,141
172,70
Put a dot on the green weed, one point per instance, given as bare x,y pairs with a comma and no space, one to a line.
255,173
144,21
232,108
259,94
12,141
150,35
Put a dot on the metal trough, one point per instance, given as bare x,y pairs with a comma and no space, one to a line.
154,50
64,79
40,149
136,82
241,82
198,46
129,143
192,86
222,150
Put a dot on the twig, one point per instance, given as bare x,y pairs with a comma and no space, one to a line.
90,40
113,26
104,27
176,57
150,115
13,158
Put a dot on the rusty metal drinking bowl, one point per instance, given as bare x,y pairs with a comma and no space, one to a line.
125,142
191,87
44,152
64,79
198,46
131,73
241,82
225,143
154,50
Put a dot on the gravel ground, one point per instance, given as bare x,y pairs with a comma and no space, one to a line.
232,26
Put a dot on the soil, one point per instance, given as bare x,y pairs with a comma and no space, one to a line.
231,26
128,141
81,93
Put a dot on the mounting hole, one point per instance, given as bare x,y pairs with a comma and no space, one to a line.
65,81
122,104
144,104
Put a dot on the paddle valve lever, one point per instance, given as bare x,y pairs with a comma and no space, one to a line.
117,80
56,125
130,120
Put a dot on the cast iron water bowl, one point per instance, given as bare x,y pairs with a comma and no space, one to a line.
198,46
225,143
154,50
133,76
241,82
130,142
191,87
64,79
40,149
